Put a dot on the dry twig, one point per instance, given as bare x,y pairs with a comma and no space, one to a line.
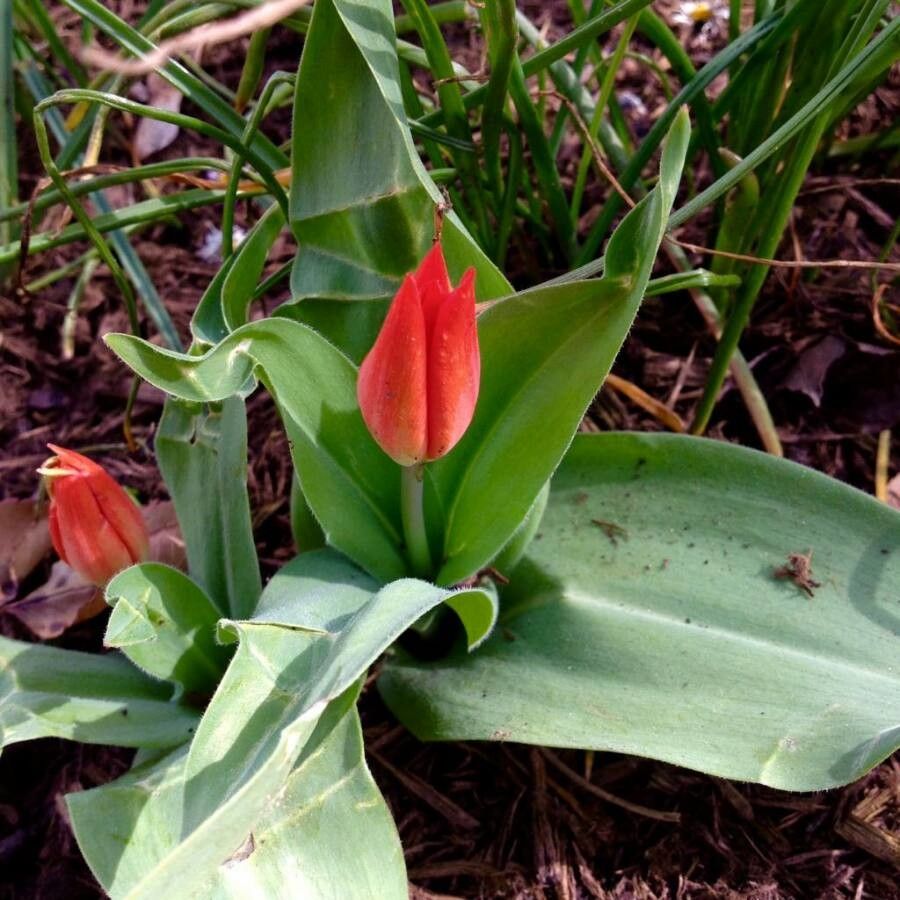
260,17
589,786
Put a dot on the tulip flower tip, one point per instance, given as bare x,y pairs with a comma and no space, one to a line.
48,470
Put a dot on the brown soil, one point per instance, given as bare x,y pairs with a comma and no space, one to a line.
504,820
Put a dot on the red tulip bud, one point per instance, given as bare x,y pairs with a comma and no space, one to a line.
94,525
418,386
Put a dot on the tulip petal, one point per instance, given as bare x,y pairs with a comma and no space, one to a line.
121,513
391,388
92,546
454,369
433,283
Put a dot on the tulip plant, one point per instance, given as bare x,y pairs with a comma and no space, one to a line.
449,522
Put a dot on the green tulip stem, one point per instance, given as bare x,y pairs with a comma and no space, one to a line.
411,496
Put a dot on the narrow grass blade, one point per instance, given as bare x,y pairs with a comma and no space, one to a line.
8,142
192,87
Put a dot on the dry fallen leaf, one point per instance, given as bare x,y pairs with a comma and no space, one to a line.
166,544
67,598
893,492
151,135
24,542
812,366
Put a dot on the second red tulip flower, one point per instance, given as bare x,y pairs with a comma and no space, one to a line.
418,386
94,525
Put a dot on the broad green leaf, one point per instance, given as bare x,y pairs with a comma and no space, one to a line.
651,616
157,861
87,697
319,592
124,827
305,528
330,835
164,623
513,552
296,672
270,682
362,204
321,622
202,454
247,268
176,865
545,353
208,324
333,591
476,609
351,325
351,486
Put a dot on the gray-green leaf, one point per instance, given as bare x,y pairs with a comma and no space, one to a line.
362,204
330,836
87,697
202,454
656,614
164,623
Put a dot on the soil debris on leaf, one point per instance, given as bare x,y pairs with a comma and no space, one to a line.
611,530
798,569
